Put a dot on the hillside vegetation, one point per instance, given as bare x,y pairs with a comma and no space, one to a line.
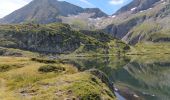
58,39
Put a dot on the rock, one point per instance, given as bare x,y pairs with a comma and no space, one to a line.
102,77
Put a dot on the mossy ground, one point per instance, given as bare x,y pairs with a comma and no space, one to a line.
28,83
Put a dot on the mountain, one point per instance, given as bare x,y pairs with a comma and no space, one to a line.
137,5
140,21
48,11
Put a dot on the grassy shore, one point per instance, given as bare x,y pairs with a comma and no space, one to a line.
24,78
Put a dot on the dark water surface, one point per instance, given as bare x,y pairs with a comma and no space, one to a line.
135,78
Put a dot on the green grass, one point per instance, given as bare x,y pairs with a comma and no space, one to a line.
149,48
79,85
51,68
79,24
6,67
29,82
144,31
17,52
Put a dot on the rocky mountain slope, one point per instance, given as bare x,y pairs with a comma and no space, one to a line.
141,20
48,11
155,28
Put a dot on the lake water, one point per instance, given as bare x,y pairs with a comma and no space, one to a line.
135,78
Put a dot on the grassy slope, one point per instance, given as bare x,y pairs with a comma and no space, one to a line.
28,83
149,48
16,52
109,46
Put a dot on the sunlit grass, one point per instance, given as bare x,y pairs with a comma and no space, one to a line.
28,83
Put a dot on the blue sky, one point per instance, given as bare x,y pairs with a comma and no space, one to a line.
108,6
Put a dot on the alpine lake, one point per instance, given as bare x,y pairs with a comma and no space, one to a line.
134,77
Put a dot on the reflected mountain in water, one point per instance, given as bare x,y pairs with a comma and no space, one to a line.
152,78
137,78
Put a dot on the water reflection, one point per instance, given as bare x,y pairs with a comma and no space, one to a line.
139,78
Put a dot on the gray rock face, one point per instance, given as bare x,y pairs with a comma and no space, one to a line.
97,12
103,78
120,30
47,11
138,5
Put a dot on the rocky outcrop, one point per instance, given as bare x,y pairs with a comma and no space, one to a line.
58,38
52,38
102,77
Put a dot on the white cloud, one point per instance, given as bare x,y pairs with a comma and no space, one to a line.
116,2
8,6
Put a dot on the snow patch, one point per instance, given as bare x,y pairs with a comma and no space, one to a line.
113,16
133,9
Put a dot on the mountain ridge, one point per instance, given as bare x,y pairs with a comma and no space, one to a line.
48,11
141,26
137,5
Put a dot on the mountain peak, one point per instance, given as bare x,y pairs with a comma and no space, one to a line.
97,11
138,5
48,11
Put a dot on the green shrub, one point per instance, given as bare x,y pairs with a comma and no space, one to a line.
91,97
43,60
4,68
51,68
